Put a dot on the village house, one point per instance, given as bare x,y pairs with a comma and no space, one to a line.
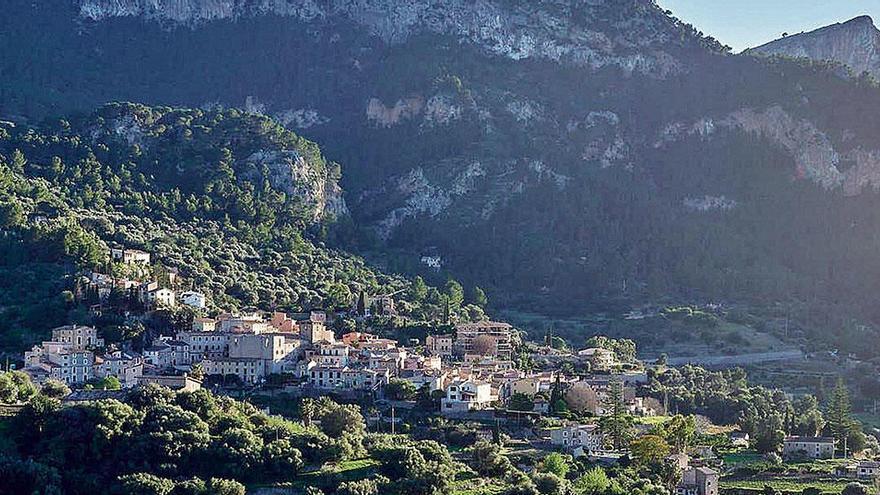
205,344
303,366
326,376
420,362
348,378
248,370
500,334
271,348
439,345
60,361
640,406
464,395
355,339
129,256
502,382
378,345
183,382
193,299
283,323
808,447
533,384
161,298
580,439
168,353
698,481
434,379
77,337
242,323
204,325
332,355
103,285
868,470
599,359
124,366
313,329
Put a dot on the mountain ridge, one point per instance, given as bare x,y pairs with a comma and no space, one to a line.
854,43
557,30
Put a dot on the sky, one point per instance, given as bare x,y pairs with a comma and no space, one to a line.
748,23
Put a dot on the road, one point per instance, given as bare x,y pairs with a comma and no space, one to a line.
738,359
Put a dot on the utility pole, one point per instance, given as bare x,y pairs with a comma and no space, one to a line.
392,420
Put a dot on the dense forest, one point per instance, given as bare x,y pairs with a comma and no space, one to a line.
153,441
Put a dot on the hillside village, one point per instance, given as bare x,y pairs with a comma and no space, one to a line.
481,372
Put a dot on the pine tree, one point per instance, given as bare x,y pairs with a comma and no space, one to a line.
618,423
839,420
479,297
419,289
362,304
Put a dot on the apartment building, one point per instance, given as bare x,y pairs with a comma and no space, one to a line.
498,335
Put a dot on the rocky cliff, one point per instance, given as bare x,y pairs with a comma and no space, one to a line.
631,34
855,43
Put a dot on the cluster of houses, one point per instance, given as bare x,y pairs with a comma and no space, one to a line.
473,367
148,292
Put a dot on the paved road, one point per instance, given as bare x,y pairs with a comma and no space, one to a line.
737,360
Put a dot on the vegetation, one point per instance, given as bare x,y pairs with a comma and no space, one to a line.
767,415
237,204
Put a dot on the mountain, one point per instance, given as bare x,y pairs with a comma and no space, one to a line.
563,153
855,43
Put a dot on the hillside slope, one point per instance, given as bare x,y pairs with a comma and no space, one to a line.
563,152
234,202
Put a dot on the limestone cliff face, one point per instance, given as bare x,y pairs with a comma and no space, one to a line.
815,155
290,172
855,43
630,34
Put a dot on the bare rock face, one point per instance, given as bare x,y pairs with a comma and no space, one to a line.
629,34
816,157
291,173
855,43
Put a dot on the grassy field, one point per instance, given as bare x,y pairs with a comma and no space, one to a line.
740,459
330,475
652,420
793,487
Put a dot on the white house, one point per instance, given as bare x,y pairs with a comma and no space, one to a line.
130,256
584,439
602,359
466,395
193,299
162,298
124,366
810,447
